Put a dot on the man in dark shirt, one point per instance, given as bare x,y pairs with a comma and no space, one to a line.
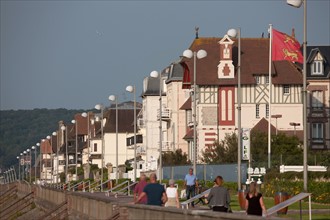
155,192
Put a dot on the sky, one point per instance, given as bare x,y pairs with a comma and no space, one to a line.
74,54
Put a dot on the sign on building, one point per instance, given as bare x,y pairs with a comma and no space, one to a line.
245,143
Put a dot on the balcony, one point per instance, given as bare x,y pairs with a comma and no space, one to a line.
166,114
167,146
140,123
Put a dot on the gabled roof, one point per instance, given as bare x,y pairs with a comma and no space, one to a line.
125,120
254,61
45,147
189,135
175,72
186,105
262,126
312,51
151,86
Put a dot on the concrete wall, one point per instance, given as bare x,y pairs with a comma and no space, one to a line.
84,205
132,212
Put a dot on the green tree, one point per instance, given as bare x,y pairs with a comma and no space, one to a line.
223,151
175,158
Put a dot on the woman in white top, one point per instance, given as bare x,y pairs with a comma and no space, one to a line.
172,194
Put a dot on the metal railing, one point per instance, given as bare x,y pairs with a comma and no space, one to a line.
184,205
120,188
76,185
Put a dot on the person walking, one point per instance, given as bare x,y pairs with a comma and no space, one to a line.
254,203
190,182
172,195
219,197
139,189
154,191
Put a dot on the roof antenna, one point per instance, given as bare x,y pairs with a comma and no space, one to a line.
196,31
262,35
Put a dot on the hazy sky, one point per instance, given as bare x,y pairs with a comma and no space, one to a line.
74,54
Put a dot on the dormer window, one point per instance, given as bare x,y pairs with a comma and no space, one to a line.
267,79
317,65
257,79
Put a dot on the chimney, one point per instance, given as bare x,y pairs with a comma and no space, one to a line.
293,33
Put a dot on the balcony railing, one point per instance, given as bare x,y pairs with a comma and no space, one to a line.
166,114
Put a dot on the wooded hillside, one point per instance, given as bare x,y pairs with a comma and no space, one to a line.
21,129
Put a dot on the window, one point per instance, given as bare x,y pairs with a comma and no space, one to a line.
258,79
317,99
95,147
286,90
257,111
189,117
267,79
317,67
267,110
317,132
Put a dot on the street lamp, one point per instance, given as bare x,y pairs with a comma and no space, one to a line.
76,161
200,55
19,167
114,98
155,74
237,33
51,155
132,89
21,155
101,107
35,159
294,124
24,152
29,169
64,129
38,145
297,4
276,117
84,114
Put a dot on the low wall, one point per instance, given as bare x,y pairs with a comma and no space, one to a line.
84,205
137,212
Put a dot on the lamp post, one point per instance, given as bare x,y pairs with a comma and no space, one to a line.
294,124
237,33
114,98
76,155
29,168
19,167
40,160
200,55
297,4
20,162
51,155
155,74
276,117
101,107
64,129
35,159
132,89
84,114
24,173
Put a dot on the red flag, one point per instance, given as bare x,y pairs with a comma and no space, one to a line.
285,47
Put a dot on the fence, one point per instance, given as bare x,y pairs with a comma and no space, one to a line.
207,172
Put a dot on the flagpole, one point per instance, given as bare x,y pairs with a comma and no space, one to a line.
270,91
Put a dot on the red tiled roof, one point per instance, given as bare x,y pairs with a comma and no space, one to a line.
186,105
262,126
189,135
45,147
254,61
